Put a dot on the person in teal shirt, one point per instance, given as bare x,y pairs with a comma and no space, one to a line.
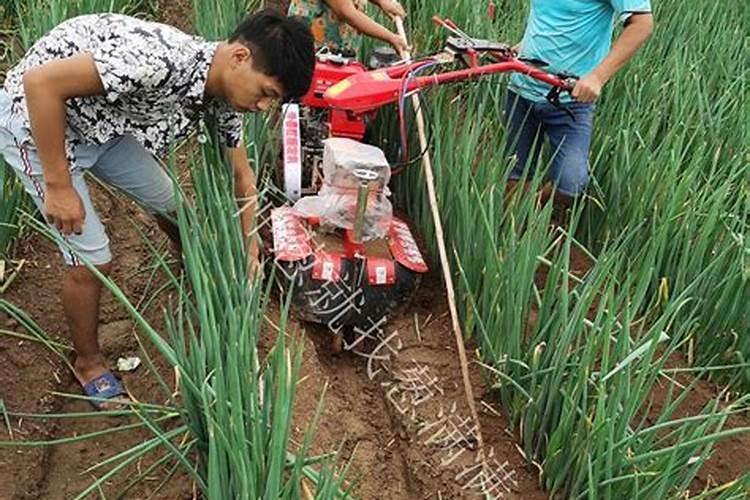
575,37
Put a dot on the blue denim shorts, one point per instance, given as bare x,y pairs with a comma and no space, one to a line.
122,163
529,122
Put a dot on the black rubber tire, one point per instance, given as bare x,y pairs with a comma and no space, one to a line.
359,305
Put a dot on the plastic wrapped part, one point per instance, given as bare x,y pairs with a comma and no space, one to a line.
342,157
347,164
337,209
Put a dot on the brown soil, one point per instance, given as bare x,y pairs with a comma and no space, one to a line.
29,372
380,429
730,458
390,458
178,13
386,424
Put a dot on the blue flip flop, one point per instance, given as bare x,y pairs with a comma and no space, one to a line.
103,388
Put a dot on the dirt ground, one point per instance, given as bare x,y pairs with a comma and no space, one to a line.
391,452
390,457
391,433
395,436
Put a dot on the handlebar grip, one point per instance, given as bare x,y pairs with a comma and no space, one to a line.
570,83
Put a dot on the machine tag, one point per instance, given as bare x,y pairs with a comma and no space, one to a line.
292,151
381,271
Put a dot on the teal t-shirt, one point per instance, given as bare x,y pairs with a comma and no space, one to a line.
573,36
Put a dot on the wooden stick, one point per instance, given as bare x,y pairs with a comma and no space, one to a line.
447,275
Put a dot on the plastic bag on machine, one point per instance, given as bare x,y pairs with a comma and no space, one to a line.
336,202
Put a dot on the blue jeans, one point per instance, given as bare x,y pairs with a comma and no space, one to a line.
529,122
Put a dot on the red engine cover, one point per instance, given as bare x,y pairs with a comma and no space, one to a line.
327,74
346,124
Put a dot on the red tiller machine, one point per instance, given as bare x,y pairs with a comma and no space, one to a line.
348,260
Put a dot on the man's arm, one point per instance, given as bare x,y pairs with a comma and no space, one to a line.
638,28
247,198
46,88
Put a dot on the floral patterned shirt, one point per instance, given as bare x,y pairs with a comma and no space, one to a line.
327,29
154,78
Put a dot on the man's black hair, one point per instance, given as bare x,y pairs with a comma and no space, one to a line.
282,47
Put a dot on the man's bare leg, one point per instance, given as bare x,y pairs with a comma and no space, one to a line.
81,295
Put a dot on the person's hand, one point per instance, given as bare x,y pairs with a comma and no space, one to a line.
392,8
399,44
64,209
588,89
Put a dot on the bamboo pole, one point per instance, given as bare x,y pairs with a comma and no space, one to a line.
447,275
